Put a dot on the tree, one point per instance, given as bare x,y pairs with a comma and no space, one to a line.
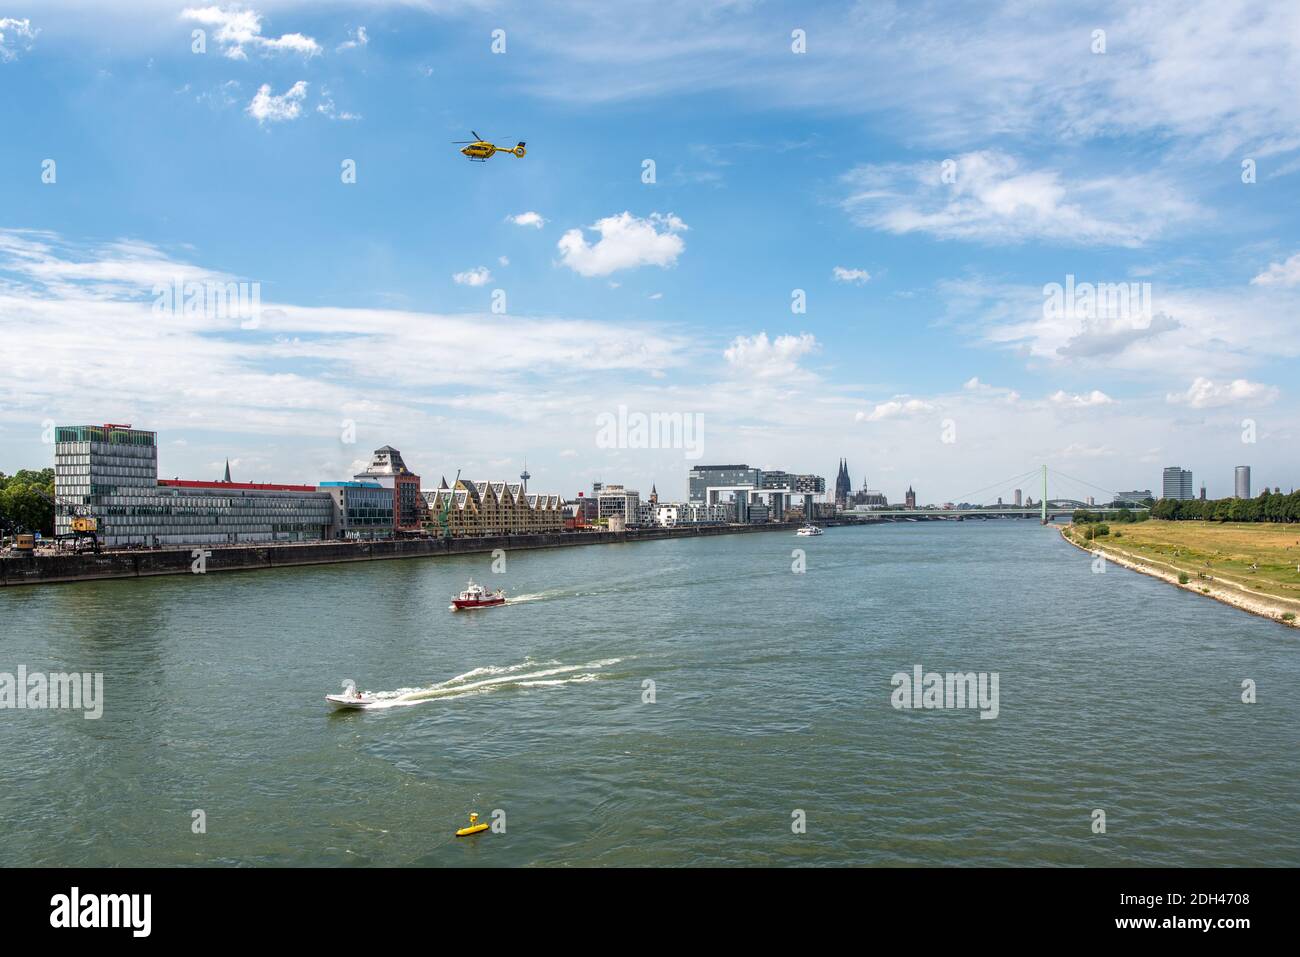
22,506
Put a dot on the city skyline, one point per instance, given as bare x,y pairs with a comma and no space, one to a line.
941,268
831,492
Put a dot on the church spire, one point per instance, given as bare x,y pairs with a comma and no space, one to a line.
227,478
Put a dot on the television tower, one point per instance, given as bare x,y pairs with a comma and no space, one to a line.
524,476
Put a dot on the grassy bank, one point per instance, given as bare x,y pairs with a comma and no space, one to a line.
1255,566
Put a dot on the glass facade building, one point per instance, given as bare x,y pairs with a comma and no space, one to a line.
702,476
1241,482
110,473
362,509
1177,483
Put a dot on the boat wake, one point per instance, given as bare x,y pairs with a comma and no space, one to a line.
490,678
537,596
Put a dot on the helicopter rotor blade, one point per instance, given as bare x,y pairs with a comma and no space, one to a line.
477,138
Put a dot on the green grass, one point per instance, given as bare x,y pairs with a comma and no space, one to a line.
1261,557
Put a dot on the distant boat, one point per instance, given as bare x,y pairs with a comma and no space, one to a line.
809,529
476,596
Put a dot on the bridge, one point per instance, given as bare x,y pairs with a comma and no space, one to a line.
1055,509
973,507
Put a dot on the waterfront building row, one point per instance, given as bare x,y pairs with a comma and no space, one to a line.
471,508
109,473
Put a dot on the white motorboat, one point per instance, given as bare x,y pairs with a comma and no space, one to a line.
350,698
809,529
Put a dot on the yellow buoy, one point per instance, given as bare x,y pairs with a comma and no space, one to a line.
474,827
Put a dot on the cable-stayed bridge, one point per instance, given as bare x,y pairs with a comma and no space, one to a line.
980,502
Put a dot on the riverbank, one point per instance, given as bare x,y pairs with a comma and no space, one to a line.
1248,567
145,563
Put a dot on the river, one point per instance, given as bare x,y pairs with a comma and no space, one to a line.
677,702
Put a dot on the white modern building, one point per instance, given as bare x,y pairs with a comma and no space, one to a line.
617,500
672,514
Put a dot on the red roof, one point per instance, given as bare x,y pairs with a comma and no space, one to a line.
256,486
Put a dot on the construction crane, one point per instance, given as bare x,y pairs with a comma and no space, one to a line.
85,527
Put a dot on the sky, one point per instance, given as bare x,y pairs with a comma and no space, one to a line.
837,231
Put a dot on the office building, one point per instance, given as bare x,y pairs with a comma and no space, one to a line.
1241,482
1136,496
110,473
616,500
1177,483
387,469
701,477
362,510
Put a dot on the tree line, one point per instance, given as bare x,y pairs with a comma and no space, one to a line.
22,507
1266,507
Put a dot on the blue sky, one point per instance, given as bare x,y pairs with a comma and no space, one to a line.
921,172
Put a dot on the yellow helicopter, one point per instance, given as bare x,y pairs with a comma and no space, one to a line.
479,149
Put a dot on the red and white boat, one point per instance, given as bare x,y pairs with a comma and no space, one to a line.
476,596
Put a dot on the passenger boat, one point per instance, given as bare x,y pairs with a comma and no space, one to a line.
476,596
809,529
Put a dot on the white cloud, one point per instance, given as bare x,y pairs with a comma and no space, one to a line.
529,218
238,28
295,43
626,242
769,358
988,196
327,109
266,107
1280,274
357,38
364,362
15,35
1196,73
902,407
973,384
1206,394
1081,450
856,276
116,270
478,276
1217,332
1080,400
503,260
